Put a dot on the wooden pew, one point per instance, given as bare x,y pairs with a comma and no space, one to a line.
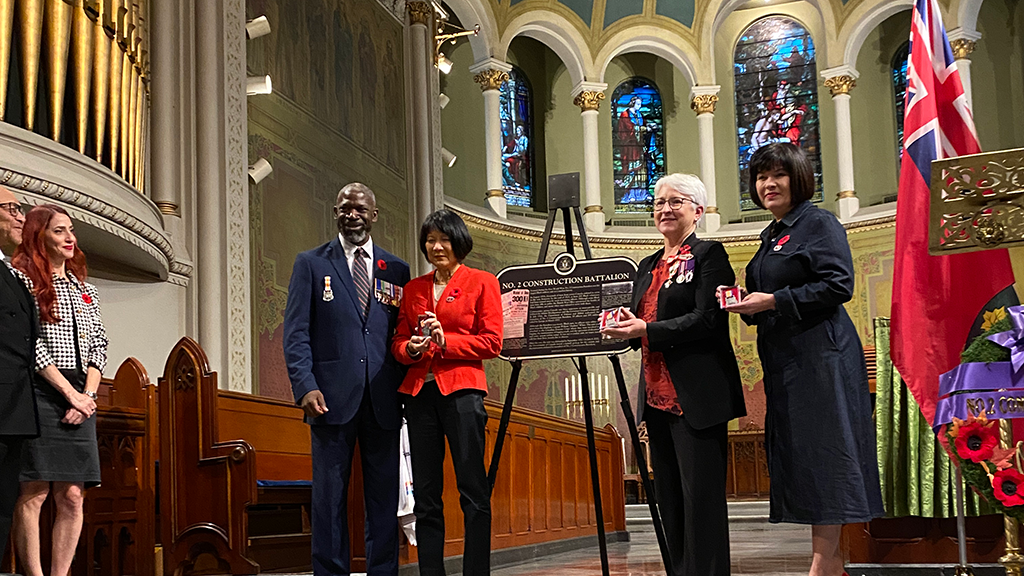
118,533
216,518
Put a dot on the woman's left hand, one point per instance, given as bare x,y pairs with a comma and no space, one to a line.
73,417
753,303
436,332
629,327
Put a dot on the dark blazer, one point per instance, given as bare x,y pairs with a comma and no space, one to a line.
692,333
18,417
330,347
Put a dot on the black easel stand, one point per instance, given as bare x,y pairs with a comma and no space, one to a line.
588,416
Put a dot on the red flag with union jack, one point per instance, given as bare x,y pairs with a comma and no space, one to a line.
935,299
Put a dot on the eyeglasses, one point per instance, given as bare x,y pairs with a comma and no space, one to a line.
673,203
12,208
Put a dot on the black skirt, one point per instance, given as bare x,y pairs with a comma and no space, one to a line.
62,452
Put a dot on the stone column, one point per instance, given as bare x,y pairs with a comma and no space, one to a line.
840,81
421,17
166,181
963,42
588,97
491,74
703,100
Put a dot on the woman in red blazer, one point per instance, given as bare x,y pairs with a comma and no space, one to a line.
449,322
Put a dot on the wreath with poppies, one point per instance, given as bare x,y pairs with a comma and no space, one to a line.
994,472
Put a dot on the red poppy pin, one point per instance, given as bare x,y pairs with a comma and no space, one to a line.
86,298
382,265
783,240
455,293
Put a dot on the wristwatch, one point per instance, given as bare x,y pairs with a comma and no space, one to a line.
90,394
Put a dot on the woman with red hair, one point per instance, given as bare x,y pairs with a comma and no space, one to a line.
71,353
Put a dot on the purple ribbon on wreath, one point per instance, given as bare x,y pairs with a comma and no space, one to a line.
994,388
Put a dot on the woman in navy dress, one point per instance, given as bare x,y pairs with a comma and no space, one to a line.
819,434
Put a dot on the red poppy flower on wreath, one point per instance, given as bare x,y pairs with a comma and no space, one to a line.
382,265
977,440
1008,486
86,298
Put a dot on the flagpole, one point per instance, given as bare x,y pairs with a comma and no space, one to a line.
962,569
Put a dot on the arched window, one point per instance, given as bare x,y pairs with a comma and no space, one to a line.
776,94
899,89
638,144
517,139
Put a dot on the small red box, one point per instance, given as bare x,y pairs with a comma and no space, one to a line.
729,296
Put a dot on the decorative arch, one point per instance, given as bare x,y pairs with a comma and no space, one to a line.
516,112
863,21
557,33
776,93
650,40
638,143
967,14
471,13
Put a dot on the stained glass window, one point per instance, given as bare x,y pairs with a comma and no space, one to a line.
899,87
776,94
517,139
638,144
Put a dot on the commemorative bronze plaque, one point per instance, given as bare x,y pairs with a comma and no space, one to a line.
554,310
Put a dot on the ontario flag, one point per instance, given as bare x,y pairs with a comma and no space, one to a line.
936,300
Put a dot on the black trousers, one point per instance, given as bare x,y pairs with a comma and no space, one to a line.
459,417
10,468
332,449
689,483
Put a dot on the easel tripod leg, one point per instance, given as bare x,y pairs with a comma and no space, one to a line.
641,459
595,476
506,414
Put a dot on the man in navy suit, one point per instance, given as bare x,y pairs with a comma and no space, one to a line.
343,302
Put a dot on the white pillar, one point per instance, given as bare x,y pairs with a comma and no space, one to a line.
963,42
421,15
491,74
702,101
588,98
840,81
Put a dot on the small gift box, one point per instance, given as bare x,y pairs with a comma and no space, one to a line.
729,296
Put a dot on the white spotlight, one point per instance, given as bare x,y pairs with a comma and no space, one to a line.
444,64
258,85
260,170
448,158
257,27
443,100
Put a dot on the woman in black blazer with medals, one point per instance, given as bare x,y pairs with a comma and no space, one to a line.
690,383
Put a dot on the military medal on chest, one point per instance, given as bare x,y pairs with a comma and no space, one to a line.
681,266
328,293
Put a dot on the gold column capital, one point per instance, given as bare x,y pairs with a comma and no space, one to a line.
711,210
846,194
495,193
594,209
841,84
588,100
420,12
168,208
704,103
962,48
491,79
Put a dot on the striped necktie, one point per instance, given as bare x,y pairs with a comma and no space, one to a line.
361,278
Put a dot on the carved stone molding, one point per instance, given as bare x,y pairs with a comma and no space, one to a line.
491,79
841,84
962,48
420,13
588,100
704,103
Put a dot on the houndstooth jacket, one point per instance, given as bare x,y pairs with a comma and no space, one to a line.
76,302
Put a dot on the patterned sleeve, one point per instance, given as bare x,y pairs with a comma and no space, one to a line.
98,338
43,358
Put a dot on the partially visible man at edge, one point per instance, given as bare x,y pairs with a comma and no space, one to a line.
18,417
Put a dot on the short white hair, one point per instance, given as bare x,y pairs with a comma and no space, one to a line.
688,185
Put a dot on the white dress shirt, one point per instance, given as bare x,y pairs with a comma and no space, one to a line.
350,255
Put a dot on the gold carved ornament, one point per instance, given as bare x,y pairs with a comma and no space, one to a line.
420,12
840,84
589,100
491,79
977,202
962,48
704,103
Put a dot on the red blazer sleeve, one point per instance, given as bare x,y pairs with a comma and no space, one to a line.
408,320
490,324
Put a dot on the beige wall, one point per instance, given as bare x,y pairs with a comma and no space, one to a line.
997,71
